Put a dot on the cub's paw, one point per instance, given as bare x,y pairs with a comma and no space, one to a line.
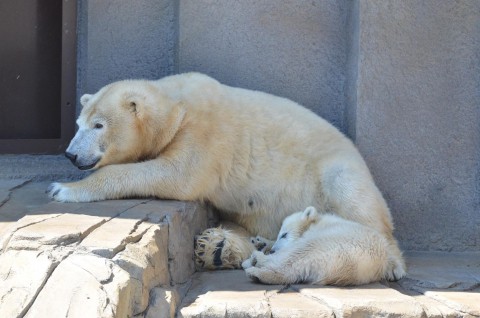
261,244
251,261
63,192
258,259
253,274
263,275
247,263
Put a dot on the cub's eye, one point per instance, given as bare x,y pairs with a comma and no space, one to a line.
98,126
284,235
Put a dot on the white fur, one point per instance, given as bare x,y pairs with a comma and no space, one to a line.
323,249
255,156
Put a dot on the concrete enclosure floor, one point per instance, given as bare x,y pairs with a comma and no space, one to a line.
133,258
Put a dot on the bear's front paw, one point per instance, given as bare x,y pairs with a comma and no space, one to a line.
62,192
57,192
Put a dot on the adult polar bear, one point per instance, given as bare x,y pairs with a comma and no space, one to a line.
254,156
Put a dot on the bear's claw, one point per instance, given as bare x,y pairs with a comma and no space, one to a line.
53,190
66,193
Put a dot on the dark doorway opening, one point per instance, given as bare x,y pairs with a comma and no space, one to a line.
37,75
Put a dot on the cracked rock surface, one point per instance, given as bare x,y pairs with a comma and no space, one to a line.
122,258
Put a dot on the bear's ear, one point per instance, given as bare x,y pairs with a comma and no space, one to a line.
310,214
133,104
84,99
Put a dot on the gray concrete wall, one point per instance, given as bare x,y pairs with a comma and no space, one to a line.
418,116
399,77
295,49
124,39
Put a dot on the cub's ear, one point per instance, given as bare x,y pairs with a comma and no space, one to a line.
84,99
310,214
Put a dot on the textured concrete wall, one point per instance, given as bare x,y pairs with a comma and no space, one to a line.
295,49
124,39
417,116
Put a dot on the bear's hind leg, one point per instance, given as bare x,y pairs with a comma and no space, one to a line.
396,268
354,196
223,247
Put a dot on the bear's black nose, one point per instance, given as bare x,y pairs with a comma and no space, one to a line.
71,156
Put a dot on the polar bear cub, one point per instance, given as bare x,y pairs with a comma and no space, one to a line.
322,249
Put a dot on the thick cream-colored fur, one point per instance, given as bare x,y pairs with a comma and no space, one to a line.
229,240
323,249
255,156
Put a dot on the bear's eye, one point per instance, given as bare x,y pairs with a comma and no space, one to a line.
98,126
284,235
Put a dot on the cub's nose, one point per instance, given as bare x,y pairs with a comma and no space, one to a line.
71,156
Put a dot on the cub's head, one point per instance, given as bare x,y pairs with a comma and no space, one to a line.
294,226
124,122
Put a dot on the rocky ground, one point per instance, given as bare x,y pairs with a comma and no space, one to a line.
133,258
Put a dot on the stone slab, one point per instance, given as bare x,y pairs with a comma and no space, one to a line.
147,263
11,228
63,230
184,219
76,289
100,259
451,279
431,307
466,302
112,237
22,276
370,300
455,271
164,303
221,293
230,294
290,304
6,187
183,226
23,199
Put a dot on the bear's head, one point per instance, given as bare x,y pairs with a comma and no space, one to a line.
294,226
124,122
